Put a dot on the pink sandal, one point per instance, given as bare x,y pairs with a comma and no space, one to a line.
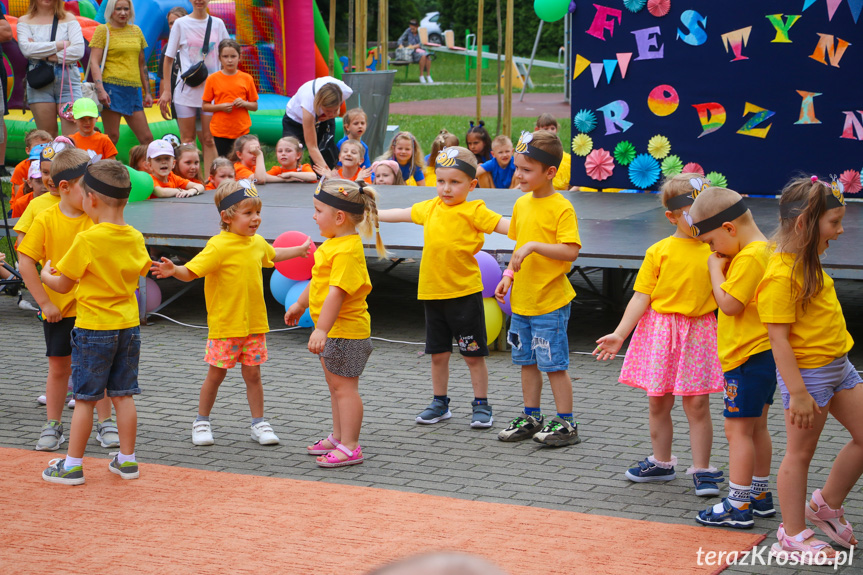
815,553
319,448
332,460
827,520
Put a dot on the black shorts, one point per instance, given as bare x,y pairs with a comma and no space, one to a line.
462,319
58,337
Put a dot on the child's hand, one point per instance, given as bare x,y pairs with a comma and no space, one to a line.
363,174
294,313
324,171
519,255
255,148
51,313
317,341
306,248
717,262
227,108
608,346
164,268
240,103
502,288
186,193
47,271
802,409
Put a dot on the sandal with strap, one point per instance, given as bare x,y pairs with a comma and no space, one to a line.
320,449
332,460
827,520
815,553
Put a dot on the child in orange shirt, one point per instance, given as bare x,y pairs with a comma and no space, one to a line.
32,139
229,94
220,170
248,159
85,112
188,164
289,152
31,189
351,158
167,184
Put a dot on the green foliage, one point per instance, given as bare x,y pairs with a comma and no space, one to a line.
400,13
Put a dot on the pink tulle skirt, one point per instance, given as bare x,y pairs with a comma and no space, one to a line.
673,353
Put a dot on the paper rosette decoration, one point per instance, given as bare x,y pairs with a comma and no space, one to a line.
584,121
658,147
851,180
643,171
599,164
634,5
658,8
716,179
624,153
671,166
582,144
693,168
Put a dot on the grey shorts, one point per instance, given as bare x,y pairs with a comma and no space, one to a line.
346,357
55,94
823,382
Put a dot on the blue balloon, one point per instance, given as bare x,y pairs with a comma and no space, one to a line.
279,286
291,298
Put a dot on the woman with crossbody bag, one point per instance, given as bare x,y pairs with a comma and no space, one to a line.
51,40
187,41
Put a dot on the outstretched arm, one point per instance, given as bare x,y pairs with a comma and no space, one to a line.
60,283
302,251
608,345
502,226
166,268
395,215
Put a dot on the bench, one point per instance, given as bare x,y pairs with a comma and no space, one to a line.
405,63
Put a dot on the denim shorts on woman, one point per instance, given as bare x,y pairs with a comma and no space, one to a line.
540,340
823,382
750,386
51,94
346,357
105,360
125,100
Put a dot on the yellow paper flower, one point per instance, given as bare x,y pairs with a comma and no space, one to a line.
582,144
658,147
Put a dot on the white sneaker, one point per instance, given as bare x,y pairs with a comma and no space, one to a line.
422,79
202,433
71,404
429,79
42,399
263,433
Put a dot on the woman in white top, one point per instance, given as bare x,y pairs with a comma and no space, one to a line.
310,118
34,39
186,41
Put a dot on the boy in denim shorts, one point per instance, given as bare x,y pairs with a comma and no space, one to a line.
106,261
545,229
741,254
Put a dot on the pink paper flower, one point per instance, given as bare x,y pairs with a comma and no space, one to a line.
658,8
850,179
599,164
693,168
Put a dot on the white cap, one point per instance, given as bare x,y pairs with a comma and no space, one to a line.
159,148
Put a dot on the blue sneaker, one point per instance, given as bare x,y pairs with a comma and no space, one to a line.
57,473
438,410
646,472
707,483
481,414
730,517
762,505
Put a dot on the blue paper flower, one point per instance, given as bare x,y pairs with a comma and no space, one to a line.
643,171
634,5
584,121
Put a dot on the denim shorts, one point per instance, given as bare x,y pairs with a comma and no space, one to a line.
750,386
823,382
125,100
51,94
540,340
105,360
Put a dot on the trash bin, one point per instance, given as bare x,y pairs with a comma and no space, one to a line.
372,93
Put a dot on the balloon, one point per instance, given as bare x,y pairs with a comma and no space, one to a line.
279,286
490,271
291,298
506,306
142,185
297,269
551,10
154,295
493,318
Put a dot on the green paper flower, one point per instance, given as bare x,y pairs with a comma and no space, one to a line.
717,180
624,153
582,144
658,147
671,166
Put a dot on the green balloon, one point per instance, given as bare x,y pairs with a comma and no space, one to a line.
86,9
142,185
551,10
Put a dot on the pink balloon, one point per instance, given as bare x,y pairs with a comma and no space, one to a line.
297,269
154,295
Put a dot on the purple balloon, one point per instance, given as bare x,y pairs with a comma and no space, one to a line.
490,271
506,306
154,295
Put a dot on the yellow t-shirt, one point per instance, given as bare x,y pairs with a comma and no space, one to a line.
674,274
741,336
341,262
234,284
818,334
124,46
49,238
541,285
451,237
561,179
431,177
34,208
107,261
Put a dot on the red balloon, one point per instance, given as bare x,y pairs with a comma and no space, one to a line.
297,269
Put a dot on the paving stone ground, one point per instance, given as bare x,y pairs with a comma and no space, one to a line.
449,458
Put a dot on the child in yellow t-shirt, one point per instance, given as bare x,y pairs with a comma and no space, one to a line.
726,225
549,123
450,284
797,301
673,350
45,201
106,260
231,262
545,229
336,298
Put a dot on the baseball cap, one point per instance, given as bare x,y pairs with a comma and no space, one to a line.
85,108
36,151
35,172
159,148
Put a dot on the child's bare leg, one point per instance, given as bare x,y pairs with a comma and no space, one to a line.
254,389
440,372
478,375
763,446
82,427
531,385
661,427
349,405
741,449
59,370
210,388
697,409
334,403
103,408
127,422
561,388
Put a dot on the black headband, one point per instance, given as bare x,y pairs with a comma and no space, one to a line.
447,158
337,202
678,202
707,225
70,174
833,198
523,147
238,196
104,188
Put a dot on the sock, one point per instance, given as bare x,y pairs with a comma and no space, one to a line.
759,485
480,400
72,462
202,417
121,459
257,420
738,496
443,398
534,412
567,417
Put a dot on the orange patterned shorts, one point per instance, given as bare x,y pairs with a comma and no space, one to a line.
249,350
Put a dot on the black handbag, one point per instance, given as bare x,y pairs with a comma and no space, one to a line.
43,73
197,74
